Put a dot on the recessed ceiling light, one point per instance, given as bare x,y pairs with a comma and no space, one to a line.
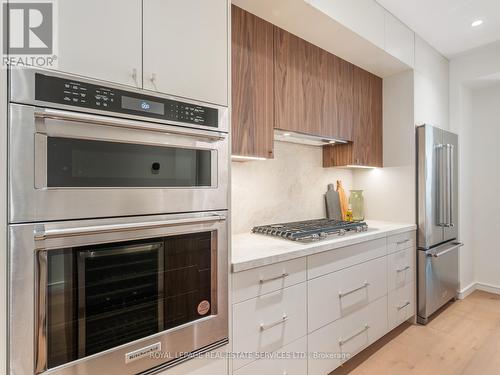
477,23
286,134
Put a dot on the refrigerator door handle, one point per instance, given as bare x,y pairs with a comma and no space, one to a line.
442,184
451,166
434,254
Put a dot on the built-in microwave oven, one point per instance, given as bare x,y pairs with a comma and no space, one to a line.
82,149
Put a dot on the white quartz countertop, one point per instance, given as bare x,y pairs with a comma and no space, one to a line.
255,250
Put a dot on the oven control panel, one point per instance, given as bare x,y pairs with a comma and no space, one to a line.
82,94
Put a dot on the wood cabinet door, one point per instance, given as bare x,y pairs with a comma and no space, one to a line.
186,48
101,39
367,137
339,99
366,146
252,85
300,84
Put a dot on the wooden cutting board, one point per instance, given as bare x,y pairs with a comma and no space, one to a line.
344,203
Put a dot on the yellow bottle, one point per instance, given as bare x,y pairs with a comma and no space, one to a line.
348,215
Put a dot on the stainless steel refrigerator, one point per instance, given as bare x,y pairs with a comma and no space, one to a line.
437,218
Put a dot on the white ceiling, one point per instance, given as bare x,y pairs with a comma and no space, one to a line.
446,24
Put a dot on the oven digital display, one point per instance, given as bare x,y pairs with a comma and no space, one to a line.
143,105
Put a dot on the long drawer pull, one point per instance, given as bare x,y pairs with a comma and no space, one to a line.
403,306
365,328
282,276
402,242
263,326
365,284
403,269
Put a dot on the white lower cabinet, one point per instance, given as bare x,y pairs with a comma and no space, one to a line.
341,293
290,360
328,306
337,342
400,268
401,305
269,322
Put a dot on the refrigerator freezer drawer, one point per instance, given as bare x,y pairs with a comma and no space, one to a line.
437,278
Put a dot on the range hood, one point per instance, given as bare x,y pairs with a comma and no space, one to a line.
305,139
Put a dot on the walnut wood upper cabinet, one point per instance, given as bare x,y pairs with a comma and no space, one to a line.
366,147
252,85
300,81
313,88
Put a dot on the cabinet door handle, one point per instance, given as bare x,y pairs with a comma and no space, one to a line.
153,81
263,326
134,77
282,276
343,341
403,306
403,269
402,242
343,294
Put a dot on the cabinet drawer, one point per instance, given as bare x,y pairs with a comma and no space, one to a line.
341,293
400,242
262,280
400,268
270,321
334,260
401,305
279,363
333,344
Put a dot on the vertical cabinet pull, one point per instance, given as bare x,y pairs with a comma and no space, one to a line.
153,81
134,77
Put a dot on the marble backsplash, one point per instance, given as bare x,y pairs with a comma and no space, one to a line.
287,188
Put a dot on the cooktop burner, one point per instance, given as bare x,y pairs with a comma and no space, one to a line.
311,230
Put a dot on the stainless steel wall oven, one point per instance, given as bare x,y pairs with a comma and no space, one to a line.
98,155
118,252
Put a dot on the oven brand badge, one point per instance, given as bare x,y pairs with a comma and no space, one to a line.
142,352
203,307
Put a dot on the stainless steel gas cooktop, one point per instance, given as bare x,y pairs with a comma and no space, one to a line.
311,230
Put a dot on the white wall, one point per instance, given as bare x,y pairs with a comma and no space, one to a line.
469,70
485,184
287,188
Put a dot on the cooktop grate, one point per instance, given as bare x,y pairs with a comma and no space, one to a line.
311,230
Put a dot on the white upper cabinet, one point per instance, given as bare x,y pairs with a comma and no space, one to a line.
364,17
399,40
374,23
186,48
100,39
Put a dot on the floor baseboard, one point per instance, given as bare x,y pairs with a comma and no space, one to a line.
490,288
467,290
495,289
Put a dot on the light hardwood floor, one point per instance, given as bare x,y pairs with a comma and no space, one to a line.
462,339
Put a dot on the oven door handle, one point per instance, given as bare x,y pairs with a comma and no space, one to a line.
41,233
47,113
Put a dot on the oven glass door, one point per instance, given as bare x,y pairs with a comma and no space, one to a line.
99,297
92,163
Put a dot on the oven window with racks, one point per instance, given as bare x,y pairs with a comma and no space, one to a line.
103,296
